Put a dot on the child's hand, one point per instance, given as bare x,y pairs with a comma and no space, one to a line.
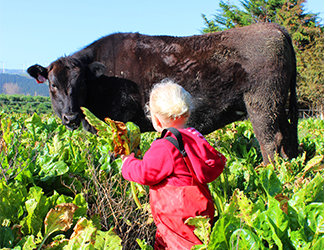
124,157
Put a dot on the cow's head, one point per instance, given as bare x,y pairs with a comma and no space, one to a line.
68,78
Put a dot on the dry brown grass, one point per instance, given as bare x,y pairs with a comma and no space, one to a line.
109,198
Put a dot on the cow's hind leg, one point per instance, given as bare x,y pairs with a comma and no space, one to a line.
271,126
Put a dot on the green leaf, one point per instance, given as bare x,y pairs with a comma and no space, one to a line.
246,208
83,237
272,224
103,130
222,231
265,230
12,200
36,120
80,201
134,135
6,237
30,242
278,218
58,242
116,133
319,244
108,240
53,169
59,218
270,181
314,163
202,227
245,239
143,245
36,206
315,217
298,239
312,191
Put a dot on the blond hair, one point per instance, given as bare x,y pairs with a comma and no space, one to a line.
170,100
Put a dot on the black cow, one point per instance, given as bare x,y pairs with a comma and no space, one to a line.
248,70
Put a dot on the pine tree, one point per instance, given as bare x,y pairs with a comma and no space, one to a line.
308,40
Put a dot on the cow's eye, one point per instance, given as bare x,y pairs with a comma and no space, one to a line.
53,86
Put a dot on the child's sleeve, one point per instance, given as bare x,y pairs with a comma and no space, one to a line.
156,165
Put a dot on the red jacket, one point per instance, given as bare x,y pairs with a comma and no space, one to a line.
163,162
174,197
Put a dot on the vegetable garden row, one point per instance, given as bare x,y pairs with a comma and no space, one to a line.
62,189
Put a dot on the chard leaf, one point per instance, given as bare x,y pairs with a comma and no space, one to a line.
222,231
83,237
35,119
86,236
53,169
102,129
315,217
298,239
36,206
80,201
108,240
6,237
29,242
123,138
278,218
134,135
202,227
314,164
120,139
60,218
312,191
143,245
319,244
12,199
245,239
266,231
272,224
270,182
246,208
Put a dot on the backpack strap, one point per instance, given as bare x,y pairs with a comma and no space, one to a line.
178,143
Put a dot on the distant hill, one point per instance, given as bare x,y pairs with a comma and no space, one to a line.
21,84
14,71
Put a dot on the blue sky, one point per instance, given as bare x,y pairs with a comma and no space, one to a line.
40,31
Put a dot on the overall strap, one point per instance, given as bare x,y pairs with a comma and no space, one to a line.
178,143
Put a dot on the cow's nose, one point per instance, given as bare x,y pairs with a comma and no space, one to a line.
69,118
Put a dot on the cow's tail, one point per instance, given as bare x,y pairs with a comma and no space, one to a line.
293,103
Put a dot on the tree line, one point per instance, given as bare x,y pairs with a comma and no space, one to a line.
306,31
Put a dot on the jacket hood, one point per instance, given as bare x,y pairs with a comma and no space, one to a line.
207,162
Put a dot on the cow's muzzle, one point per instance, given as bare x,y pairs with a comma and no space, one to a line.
71,121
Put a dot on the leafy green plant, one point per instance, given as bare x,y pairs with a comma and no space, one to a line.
42,164
271,208
121,139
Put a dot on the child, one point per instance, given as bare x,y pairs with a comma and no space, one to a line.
177,191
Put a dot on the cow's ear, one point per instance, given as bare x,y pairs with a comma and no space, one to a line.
97,69
38,72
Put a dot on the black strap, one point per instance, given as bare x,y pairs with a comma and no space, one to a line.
178,142
180,146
